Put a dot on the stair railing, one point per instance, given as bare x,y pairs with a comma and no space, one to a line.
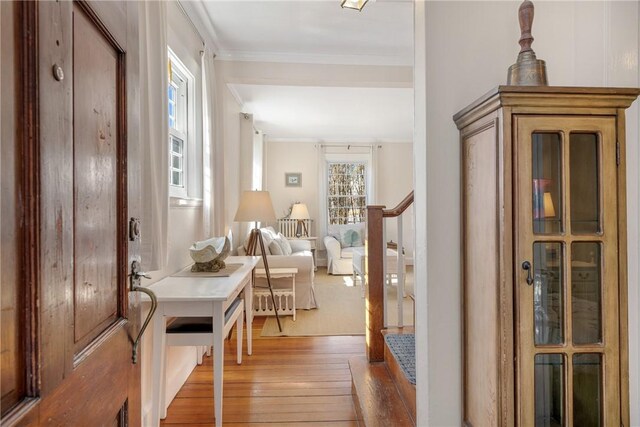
376,274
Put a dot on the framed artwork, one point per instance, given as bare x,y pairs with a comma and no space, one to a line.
293,179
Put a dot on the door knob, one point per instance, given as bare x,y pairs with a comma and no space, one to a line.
135,277
526,266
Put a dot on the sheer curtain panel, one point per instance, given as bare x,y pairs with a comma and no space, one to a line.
154,133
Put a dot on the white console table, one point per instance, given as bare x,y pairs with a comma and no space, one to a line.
198,297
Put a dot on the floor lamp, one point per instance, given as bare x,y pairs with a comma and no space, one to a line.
256,206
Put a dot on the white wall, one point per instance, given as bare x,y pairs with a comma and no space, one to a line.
469,46
230,126
394,181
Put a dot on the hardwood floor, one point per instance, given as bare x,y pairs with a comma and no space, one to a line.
286,382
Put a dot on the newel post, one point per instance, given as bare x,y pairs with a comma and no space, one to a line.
374,247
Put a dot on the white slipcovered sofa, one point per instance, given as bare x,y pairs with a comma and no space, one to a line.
300,258
341,242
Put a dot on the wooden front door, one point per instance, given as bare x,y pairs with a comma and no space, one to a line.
567,272
74,151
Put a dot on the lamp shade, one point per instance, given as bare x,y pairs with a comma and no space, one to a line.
299,211
255,206
549,210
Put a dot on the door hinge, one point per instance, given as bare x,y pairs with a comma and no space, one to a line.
617,153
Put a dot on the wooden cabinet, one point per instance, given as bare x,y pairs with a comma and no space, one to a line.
544,257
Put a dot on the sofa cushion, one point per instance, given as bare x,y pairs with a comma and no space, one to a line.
284,244
348,235
348,252
268,234
275,248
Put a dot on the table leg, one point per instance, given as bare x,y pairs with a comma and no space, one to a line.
248,309
293,291
157,367
218,359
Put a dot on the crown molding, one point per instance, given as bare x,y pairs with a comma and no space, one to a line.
301,58
237,97
339,141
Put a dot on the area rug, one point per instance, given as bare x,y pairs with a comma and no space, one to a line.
341,310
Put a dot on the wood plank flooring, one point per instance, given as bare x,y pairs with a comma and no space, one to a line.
296,381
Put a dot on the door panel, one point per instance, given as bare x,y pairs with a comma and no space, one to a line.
95,163
568,333
73,96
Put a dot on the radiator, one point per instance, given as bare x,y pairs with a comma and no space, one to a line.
287,226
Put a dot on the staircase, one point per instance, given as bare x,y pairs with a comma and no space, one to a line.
383,394
383,381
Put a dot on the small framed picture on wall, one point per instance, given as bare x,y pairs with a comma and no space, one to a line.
293,179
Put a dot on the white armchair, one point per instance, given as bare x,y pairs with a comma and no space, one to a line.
340,244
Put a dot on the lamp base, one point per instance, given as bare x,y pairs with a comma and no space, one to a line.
299,227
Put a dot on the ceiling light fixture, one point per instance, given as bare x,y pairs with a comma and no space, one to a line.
353,4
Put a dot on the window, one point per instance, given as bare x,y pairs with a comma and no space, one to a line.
180,113
346,192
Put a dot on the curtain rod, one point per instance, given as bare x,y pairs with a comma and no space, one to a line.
350,145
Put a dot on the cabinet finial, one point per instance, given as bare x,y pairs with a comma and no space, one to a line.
528,70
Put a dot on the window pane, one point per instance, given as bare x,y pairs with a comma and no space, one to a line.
176,145
586,294
172,106
546,165
549,390
176,162
176,178
587,390
346,193
585,206
548,290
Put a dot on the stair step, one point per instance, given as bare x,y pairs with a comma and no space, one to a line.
406,389
378,402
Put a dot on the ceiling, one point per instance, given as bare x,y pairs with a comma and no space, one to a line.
318,114
319,32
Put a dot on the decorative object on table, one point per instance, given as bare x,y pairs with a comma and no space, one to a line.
293,179
353,4
209,254
300,212
256,206
528,70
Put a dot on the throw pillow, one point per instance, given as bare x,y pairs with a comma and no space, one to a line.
350,237
275,248
266,238
284,243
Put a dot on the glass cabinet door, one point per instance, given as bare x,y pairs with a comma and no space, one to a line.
567,271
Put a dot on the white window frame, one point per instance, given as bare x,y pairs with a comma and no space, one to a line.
184,129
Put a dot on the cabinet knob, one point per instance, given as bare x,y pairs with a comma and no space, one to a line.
526,266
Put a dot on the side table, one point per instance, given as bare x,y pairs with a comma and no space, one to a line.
285,298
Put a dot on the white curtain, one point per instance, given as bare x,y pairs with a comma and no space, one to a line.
213,152
154,134
321,225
